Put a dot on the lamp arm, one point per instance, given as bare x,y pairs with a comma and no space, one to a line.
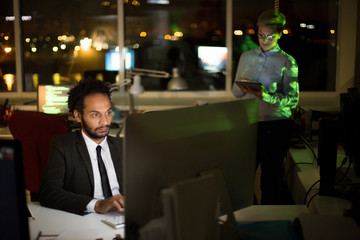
149,73
117,86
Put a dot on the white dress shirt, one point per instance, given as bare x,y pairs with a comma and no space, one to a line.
277,71
106,156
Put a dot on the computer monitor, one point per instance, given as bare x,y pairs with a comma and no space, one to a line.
350,126
112,60
14,212
339,129
212,58
53,99
165,147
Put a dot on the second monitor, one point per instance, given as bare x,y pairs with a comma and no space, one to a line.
53,99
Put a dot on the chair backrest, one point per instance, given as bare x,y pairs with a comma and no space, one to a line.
34,130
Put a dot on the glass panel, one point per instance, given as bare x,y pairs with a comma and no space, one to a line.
310,37
7,48
67,40
188,35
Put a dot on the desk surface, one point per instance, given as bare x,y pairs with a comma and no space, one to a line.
302,172
5,133
269,212
53,222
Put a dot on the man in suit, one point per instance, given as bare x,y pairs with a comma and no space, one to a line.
83,173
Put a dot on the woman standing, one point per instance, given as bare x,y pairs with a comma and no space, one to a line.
277,71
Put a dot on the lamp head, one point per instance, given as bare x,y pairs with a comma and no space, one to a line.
136,88
176,82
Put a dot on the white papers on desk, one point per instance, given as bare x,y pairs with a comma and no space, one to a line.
80,234
316,226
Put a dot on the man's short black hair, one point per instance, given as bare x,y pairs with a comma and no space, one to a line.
82,89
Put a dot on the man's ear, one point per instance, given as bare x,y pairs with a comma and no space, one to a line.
77,115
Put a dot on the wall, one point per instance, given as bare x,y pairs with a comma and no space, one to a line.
357,60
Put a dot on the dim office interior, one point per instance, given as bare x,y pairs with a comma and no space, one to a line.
197,45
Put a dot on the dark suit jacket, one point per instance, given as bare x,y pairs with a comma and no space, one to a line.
68,182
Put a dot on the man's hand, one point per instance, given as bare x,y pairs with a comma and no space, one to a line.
114,203
258,94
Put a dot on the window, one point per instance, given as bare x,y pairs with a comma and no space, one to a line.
64,41
7,48
174,35
67,40
310,37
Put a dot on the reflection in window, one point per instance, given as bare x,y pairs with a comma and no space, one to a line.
64,41
174,35
7,48
67,40
310,37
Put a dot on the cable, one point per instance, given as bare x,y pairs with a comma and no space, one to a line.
347,169
307,205
312,150
308,192
309,146
291,167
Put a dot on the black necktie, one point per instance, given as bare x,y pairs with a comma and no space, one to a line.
103,174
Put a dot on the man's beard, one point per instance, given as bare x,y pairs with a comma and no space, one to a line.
91,134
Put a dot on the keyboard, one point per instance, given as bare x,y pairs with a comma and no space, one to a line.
115,222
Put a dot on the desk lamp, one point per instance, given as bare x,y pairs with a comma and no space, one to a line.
176,82
137,88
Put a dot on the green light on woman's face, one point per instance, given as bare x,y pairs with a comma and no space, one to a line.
268,38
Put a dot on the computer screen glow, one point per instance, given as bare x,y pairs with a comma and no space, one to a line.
53,99
112,60
212,58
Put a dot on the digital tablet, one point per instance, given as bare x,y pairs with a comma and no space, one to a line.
255,86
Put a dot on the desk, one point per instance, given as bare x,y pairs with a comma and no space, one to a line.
302,172
315,226
269,213
53,222
5,133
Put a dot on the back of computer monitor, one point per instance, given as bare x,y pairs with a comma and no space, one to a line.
14,212
165,147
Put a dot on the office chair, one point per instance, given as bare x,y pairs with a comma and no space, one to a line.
34,130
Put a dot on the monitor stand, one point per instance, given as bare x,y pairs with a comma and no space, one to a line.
190,208
228,230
